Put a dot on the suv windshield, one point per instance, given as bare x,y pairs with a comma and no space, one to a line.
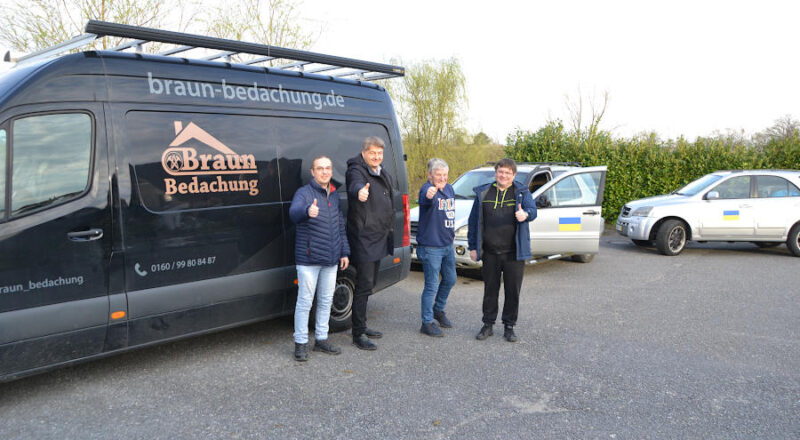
698,185
464,184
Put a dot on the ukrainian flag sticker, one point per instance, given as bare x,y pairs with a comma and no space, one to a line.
569,223
730,215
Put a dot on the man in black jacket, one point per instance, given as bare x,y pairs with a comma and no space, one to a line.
370,229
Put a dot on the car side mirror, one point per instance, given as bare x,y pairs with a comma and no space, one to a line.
713,195
542,201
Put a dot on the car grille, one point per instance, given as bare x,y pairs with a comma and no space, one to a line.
414,228
626,211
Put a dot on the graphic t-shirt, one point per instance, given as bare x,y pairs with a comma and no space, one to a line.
436,217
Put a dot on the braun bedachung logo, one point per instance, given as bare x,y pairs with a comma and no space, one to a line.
216,159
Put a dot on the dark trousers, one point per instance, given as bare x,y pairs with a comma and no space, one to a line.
367,274
495,265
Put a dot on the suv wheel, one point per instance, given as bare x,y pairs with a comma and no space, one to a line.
793,242
583,258
671,237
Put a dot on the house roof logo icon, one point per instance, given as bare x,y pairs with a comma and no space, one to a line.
180,160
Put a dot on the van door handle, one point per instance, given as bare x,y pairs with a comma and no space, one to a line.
591,212
91,234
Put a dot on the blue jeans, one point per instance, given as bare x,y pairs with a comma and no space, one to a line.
435,261
309,279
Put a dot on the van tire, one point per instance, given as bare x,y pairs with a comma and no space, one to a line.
583,258
671,237
342,304
793,241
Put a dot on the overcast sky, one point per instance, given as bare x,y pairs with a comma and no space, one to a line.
675,67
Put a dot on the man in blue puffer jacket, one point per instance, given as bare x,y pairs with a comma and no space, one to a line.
320,249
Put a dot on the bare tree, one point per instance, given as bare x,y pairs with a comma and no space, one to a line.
597,109
271,22
30,25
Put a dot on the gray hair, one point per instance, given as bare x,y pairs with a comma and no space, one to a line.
372,141
437,164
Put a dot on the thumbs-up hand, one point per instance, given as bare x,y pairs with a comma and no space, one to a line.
521,215
313,210
363,193
431,192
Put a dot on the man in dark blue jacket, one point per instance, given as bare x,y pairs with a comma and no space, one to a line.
370,229
435,234
320,249
499,234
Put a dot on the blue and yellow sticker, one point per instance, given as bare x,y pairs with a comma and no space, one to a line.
569,223
730,215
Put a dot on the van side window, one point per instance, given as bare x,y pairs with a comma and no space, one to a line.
50,161
2,173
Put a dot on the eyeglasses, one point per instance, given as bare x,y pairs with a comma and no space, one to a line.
503,172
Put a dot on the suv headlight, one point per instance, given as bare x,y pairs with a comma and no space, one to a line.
462,232
644,211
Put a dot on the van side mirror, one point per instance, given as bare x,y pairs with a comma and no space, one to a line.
542,201
713,195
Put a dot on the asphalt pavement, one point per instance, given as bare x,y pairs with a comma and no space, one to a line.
633,345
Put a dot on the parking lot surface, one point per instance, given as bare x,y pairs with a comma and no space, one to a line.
633,345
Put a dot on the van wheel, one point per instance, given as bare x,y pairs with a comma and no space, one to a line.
342,305
767,244
671,237
793,242
642,243
583,258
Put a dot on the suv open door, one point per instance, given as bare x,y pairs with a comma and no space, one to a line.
569,217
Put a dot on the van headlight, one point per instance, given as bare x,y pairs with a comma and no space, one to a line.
462,232
644,211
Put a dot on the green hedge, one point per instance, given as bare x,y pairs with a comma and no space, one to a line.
646,166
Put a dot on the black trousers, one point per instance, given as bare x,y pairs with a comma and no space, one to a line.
367,274
511,270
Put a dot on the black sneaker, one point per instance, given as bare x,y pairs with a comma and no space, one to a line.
325,347
300,352
373,334
509,334
363,343
431,329
485,332
442,318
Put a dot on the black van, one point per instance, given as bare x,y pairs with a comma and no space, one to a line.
145,198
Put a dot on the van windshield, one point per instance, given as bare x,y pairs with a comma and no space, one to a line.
464,184
698,185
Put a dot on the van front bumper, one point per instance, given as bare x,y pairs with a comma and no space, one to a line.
636,228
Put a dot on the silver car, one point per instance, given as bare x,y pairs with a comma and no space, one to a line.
759,206
569,199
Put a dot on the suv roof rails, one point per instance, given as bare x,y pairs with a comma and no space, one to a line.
568,164
297,60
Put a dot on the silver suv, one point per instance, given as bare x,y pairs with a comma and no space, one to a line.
760,206
569,199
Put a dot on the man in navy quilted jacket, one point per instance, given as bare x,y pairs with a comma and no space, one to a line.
320,249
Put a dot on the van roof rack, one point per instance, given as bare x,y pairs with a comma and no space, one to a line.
297,60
